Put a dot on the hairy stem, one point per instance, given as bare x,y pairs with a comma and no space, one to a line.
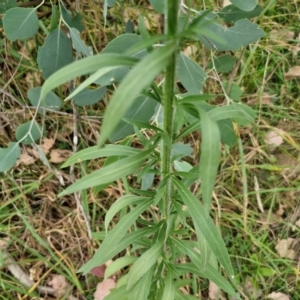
172,7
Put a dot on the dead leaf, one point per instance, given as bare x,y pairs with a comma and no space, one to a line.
33,79
99,271
226,3
103,289
251,288
278,296
59,155
274,138
25,159
283,250
282,35
280,211
47,145
190,50
293,72
214,292
265,99
60,285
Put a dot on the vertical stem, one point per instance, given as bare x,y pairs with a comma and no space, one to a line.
172,7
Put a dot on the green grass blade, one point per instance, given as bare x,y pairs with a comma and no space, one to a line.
209,157
112,243
109,173
133,84
205,226
85,66
144,263
97,152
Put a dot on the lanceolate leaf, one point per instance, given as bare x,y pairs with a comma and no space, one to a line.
55,53
110,173
139,78
144,263
169,289
209,157
85,66
114,242
142,288
119,204
204,225
20,23
244,115
97,152
9,156
209,272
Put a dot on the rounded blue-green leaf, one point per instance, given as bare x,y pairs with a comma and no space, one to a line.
89,96
20,23
9,156
51,100
158,5
28,133
55,53
247,5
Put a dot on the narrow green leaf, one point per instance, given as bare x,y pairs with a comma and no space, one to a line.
119,293
85,66
55,53
141,289
9,156
110,173
119,204
244,115
205,226
28,133
169,289
20,23
54,17
119,264
139,78
144,263
210,272
115,240
97,152
209,157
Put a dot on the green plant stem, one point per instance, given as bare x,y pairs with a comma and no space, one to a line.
168,102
